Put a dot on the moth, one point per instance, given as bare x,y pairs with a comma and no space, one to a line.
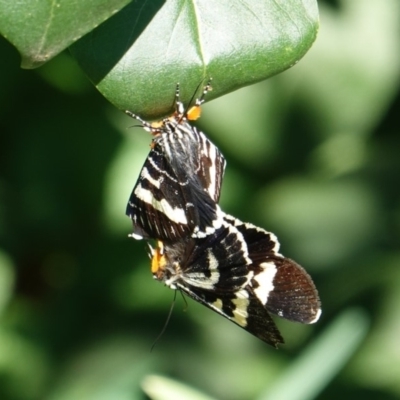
238,272
179,185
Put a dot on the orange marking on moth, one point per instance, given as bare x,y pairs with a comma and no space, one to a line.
194,113
158,260
157,124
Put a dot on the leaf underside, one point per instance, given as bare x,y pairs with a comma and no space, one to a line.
138,54
136,57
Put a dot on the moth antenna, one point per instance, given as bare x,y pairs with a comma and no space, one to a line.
165,324
184,299
178,104
206,89
188,111
133,115
148,126
193,112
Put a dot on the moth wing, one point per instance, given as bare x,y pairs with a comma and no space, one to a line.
168,201
242,308
211,167
282,285
197,161
157,204
295,296
215,273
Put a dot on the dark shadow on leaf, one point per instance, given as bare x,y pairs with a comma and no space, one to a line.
114,38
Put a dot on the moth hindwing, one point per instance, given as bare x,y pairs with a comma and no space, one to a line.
179,185
237,272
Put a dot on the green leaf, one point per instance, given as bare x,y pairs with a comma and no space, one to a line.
136,58
6,280
162,388
316,367
42,29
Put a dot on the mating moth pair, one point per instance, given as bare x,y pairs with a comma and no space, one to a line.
232,267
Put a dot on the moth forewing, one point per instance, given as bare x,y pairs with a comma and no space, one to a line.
179,186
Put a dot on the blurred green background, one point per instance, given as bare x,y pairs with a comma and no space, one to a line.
313,155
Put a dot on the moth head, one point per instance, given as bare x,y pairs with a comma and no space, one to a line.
156,128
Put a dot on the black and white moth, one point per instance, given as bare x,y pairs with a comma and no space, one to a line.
238,272
179,185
